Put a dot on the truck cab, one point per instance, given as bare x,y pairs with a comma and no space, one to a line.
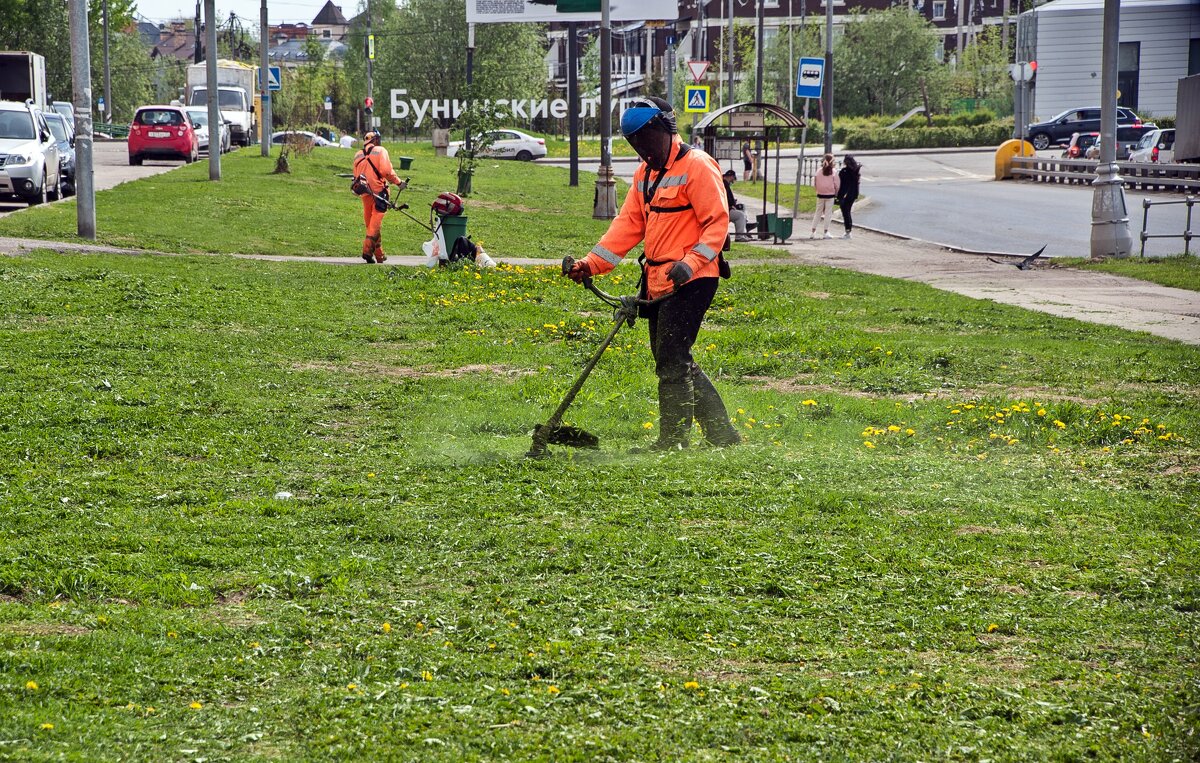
232,103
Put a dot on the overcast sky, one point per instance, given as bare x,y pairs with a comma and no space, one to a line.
278,11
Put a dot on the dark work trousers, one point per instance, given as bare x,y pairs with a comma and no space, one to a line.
847,219
674,324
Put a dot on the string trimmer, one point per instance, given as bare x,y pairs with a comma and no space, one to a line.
553,432
392,205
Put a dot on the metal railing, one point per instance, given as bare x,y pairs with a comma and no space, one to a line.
111,130
1187,234
1134,175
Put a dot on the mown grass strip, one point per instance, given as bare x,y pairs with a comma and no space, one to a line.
257,510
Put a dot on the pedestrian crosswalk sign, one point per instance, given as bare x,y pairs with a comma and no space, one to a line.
697,99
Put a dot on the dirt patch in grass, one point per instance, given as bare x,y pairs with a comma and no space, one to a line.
238,596
6,599
369,368
977,530
44,629
1015,590
1081,594
817,294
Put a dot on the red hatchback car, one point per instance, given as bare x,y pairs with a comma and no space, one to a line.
162,132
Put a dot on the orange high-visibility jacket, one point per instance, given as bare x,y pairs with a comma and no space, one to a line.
382,162
686,219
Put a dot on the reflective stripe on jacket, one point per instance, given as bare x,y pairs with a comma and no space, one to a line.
382,162
687,219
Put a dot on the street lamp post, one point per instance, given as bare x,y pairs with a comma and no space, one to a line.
605,207
1110,218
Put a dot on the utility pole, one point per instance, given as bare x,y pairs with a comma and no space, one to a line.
827,85
107,115
1110,218
573,99
758,45
605,207
370,80
214,111
470,81
959,36
264,87
81,83
232,44
729,63
198,52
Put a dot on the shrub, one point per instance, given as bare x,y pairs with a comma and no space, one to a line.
954,136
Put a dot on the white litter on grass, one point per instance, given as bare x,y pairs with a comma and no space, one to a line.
283,495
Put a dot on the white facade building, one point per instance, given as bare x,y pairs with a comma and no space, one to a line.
1160,42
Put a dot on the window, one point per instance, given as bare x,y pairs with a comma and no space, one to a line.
939,10
1128,63
327,33
1193,57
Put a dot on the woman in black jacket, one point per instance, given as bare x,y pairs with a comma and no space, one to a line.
848,190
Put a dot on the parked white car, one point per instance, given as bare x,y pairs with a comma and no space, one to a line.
199,117
507,144
300,136
1155,146
29,164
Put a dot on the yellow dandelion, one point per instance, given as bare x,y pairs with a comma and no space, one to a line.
910,432
691,685
505,692
370,475
809,402
172,634
31,685
46,726
426,675
1059,424
648,425
386,627
552,690
351,687
196,705
404,684
868,444
254,645
893,428
992,628
420,626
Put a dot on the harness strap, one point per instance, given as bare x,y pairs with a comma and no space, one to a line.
667,210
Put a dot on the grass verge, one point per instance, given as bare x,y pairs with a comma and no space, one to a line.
259,510
1182,271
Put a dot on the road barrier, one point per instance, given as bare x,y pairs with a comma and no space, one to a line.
1136,175
1187,234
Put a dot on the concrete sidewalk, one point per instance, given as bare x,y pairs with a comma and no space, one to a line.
1084,295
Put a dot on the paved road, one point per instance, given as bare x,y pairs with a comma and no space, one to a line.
950,197
110,161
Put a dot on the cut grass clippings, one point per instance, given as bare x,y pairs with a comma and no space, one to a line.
256,510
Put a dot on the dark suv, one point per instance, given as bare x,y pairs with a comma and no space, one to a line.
1060,129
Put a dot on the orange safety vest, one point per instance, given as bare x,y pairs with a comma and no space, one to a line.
681,213
376,167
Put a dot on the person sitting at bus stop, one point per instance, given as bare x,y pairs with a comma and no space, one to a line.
737,210
373,166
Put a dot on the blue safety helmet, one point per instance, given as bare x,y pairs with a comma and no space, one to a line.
648,111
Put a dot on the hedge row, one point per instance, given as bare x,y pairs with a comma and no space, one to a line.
991,134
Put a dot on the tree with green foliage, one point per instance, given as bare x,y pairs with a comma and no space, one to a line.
881,60
43,26
421,47
983,75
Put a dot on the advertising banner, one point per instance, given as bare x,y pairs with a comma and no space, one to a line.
508,11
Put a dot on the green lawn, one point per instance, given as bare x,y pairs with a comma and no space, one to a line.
254,510
956,530
1182,272
518,209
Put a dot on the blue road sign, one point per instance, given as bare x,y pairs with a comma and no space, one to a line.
696,99
810,76
272,78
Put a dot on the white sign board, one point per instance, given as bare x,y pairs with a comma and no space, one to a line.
698,68
505,11
747,120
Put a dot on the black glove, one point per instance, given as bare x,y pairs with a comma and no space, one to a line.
576,270
679,274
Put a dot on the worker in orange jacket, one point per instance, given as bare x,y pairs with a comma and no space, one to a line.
678,206
373,166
